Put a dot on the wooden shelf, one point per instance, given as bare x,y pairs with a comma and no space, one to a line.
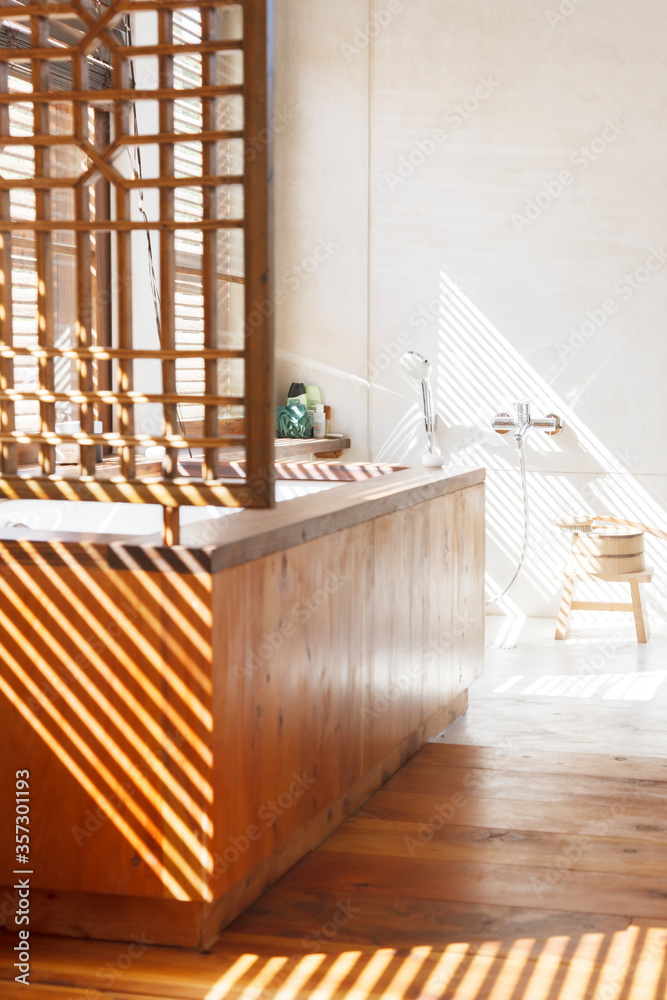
292,447
286,448
106,469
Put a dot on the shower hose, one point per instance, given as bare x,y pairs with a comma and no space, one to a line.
522,464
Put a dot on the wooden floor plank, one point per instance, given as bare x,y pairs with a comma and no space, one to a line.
627,823
379,973
440,779
623,895
533,848
553,762
401,922
44,991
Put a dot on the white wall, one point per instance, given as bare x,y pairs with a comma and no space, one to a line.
321,142
515,233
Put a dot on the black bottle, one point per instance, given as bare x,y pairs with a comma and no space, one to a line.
297,390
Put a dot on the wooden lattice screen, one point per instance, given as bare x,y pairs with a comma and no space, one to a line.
95,62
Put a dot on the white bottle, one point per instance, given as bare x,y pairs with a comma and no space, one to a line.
69,452
319,421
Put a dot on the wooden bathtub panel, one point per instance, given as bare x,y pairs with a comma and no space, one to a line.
352,692
300,705
73,619
364,678
428,651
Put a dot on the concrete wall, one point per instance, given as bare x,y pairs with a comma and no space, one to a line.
487,178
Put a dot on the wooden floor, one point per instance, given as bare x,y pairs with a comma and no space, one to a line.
475,873
487,869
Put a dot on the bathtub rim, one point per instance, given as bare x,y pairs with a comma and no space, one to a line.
218,544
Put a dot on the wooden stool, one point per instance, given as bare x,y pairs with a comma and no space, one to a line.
568,604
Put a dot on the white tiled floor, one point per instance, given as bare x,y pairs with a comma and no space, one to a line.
597,691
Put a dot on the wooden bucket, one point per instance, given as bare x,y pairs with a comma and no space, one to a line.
609,550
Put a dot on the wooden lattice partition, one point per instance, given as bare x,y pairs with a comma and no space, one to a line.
114,56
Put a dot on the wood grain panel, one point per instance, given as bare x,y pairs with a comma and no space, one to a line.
205,729
335,673
258,249
108,675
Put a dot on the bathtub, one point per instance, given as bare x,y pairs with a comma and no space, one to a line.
123,519
196,719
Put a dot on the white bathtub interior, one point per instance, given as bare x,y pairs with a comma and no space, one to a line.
125,518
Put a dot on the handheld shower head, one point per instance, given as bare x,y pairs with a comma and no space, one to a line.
416,365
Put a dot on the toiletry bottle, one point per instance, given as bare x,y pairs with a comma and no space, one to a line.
297,394
69,452
319,423
313,396
98,428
